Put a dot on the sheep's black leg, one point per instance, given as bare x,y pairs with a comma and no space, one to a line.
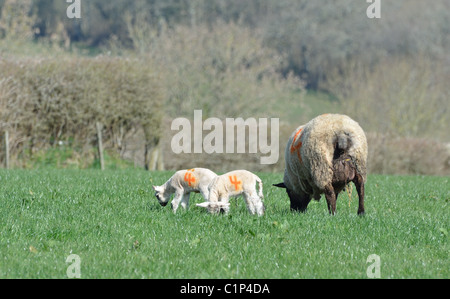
359,183
330,195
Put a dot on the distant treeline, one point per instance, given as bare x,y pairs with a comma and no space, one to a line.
133,66
316,36
49,101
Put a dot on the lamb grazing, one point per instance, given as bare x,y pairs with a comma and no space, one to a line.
323,156
182,183
233,184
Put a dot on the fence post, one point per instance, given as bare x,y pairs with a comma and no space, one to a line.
161,159
100,145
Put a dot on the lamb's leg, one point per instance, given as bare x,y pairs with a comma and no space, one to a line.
185,200
330,195
359,183
205,193
259,205
249,202
254,204
176,201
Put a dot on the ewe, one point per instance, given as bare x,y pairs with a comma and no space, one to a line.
322,157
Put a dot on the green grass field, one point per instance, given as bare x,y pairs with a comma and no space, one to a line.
112,221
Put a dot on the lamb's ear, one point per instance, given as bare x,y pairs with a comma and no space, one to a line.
203,204
280,185
157,188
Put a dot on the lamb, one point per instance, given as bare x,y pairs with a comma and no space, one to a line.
235,183
182,183
323,156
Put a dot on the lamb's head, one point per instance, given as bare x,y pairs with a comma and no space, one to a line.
161,195
215,207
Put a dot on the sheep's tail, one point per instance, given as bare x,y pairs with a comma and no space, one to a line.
260,187
342,143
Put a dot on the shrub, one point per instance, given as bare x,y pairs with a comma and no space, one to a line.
49,101
396,155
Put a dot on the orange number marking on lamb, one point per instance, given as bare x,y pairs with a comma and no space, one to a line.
189,177
237,184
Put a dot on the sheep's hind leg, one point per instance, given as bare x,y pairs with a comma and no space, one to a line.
330,195
259,205
185,201
255,205
359,183
249,202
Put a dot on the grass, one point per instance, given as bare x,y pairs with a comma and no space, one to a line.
113,222
66,157
317,103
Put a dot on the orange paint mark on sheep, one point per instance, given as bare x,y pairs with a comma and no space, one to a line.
299,156
298,146
189,178
237,184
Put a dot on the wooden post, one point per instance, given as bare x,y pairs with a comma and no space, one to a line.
100,145
153,158
7,149
147,157
161,160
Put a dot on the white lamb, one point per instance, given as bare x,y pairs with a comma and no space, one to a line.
182,183
233,184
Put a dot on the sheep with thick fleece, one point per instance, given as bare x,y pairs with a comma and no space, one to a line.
235,183
323,156
182,183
